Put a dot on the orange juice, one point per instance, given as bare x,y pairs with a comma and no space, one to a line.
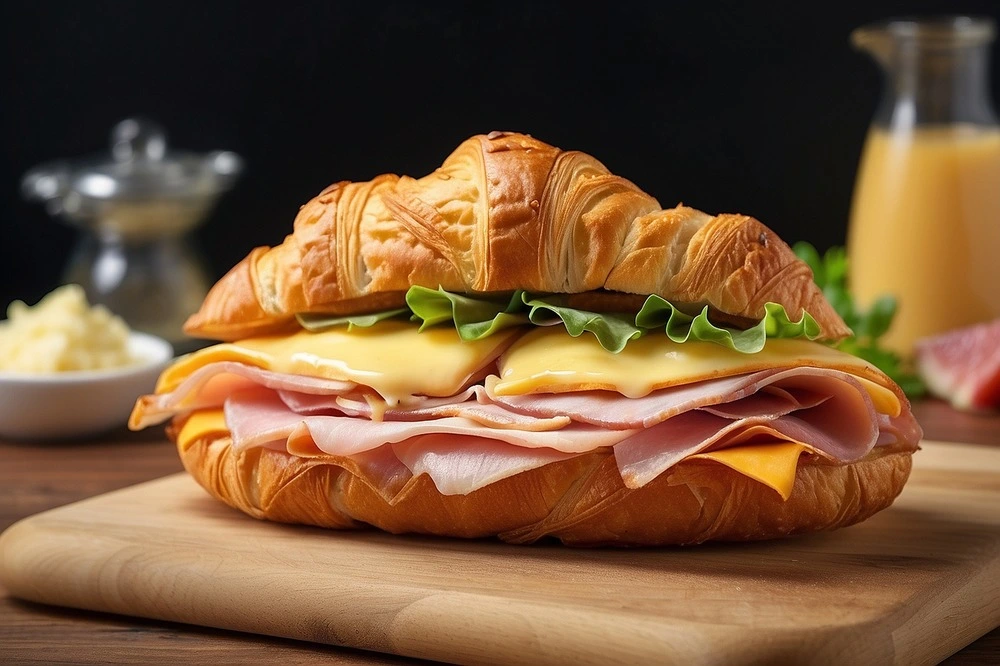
925,227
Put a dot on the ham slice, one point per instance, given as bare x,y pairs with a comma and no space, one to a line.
258,416
645,456
461,464
610,409
488,414
770,401
354,405
475,438
210,385
827,410
613,410
901,429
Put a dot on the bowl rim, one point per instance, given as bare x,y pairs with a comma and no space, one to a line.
162,353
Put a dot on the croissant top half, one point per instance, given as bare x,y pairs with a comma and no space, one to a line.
506,211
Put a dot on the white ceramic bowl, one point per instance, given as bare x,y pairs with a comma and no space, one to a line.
80,403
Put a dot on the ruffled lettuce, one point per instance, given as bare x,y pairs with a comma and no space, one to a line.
614,331
321,322
474,318
657,312
480,316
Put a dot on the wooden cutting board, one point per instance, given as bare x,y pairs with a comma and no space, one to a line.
910,586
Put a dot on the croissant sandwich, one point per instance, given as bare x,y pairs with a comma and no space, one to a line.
522,345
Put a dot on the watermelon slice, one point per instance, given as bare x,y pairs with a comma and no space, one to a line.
962,366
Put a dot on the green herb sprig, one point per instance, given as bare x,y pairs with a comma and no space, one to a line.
830,271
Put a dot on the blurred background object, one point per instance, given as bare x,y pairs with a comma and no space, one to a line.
135,207
761,108
925,218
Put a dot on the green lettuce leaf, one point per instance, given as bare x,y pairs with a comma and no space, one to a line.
477,317
474,318
657,312
321,322
613,331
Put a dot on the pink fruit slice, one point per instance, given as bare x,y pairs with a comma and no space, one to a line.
963,366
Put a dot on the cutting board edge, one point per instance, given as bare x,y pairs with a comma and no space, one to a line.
955,623
405,634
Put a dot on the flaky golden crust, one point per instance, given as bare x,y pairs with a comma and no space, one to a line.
233,307
580,501
506,211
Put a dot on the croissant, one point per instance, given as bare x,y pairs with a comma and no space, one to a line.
531,432
506,211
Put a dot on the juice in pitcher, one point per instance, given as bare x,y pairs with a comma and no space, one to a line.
925,216
925,227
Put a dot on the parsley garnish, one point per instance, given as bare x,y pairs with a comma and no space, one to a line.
831,274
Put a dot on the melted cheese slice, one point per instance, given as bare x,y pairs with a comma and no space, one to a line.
391,357
547,360
398,361
774,465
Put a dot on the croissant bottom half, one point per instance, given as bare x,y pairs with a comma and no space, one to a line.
580,501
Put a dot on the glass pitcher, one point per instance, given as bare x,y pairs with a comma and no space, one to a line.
136,207
925,216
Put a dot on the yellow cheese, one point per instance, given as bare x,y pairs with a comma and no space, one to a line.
774,465
397,361
547,360
391,357
202,423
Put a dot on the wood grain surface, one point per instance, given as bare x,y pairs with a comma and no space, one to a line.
911,585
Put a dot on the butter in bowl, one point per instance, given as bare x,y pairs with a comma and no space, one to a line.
71,370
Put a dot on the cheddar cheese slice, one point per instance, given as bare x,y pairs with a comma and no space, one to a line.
774,465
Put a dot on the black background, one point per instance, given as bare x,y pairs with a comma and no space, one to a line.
759,108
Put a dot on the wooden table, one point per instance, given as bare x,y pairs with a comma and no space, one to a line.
36,477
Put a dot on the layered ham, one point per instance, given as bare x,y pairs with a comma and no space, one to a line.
477,437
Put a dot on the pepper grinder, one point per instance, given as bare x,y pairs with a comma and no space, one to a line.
135,210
